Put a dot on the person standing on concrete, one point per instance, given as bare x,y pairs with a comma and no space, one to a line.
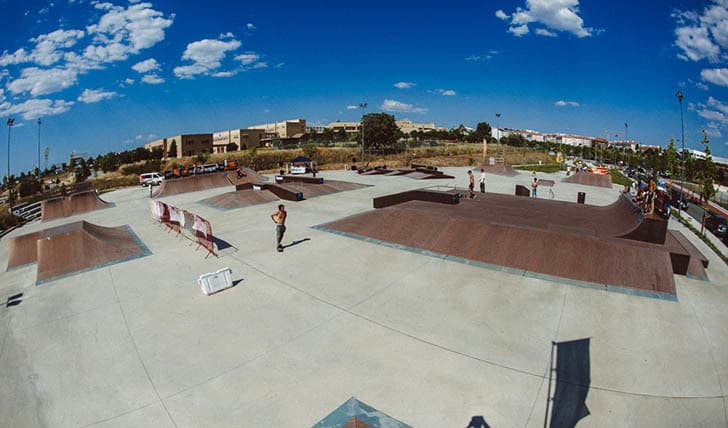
534,187
279,218
482,180
471,185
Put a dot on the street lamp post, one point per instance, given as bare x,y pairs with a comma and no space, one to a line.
39,121
10,123
362,106
679,96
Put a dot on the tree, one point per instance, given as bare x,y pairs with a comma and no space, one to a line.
482,131
708,171
172,152
46,151
310,151
380,130
671,158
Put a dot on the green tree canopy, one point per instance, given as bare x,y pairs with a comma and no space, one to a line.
482,131
380,131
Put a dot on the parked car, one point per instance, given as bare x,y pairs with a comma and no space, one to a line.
210,167
150,179
679,198
716,224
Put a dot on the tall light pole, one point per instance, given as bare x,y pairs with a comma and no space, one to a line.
625,132
679,96
10,123
39,121
362,106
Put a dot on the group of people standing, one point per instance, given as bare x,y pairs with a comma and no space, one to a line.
471,186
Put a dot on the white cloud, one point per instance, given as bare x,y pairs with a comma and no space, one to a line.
519,30
38,81
716,76
152,79
446,92
128,81
404,85
400,107
35,108
227,35
712,115
146,66
250,26
562,103
206,56
90,96
121,31
248,58
704,34
49,48
352,107
555,15
544,32
261,64
224,74
718,105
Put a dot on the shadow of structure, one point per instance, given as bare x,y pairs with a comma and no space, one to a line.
478,422
221,244
572,383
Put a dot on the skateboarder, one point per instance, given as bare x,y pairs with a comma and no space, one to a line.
471,185
482,180
279,218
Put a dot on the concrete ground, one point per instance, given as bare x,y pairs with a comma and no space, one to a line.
427,341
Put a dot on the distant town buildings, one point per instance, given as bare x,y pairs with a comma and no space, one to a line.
572,140
292,130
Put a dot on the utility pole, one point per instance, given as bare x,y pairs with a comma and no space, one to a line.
362,106
10,123
679,96
39,121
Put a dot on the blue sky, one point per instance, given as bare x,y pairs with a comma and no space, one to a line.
113,76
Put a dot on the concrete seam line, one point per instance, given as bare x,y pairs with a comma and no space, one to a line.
136,349
712,358
493,363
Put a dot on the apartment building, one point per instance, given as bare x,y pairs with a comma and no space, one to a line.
348,127
242,138
407,126
186,144
294,128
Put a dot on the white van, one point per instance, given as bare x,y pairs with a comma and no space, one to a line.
150,179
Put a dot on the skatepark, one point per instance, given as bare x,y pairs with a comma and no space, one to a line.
402,307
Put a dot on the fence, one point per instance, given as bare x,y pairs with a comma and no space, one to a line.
185,223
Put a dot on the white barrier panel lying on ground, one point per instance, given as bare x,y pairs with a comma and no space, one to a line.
216,281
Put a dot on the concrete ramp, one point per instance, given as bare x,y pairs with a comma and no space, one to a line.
73,248
535,237
254,193
195,183
76,203
589,179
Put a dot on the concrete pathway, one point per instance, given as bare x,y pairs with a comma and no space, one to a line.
427,341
